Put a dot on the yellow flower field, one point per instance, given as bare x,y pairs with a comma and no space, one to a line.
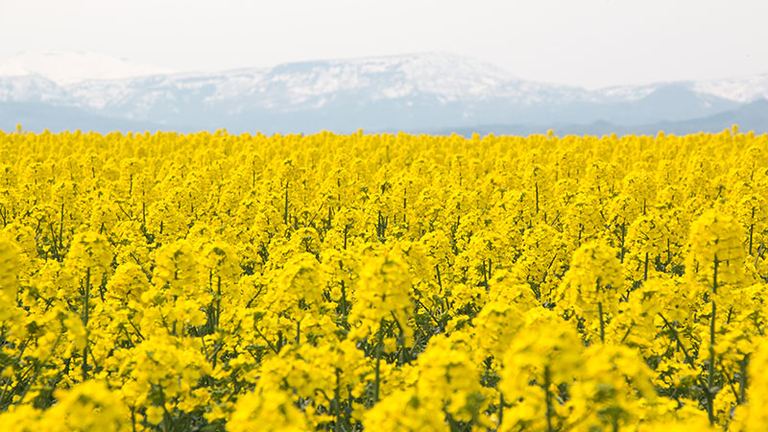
396,282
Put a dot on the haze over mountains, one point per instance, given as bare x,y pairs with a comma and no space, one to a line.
436,93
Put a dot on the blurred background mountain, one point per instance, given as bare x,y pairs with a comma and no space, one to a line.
426,92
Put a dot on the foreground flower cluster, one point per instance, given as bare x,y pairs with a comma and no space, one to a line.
383,282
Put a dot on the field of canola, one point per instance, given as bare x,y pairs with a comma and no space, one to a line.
357,282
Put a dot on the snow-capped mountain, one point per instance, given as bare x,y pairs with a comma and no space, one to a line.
30,88
745,89
409,92
293,86
69,67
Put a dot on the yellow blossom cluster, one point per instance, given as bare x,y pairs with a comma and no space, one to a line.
385,282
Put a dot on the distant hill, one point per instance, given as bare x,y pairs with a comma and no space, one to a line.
752,116
36,116
418,92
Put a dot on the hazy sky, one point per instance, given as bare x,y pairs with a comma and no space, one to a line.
585,42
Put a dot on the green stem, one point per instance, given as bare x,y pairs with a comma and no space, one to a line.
61,228
645,268
622,250
86,311
548,398
377,369
218,304
688,358
711,369
298,332
285,210
751,231
336,405
501,409
602,321
133,419
743,378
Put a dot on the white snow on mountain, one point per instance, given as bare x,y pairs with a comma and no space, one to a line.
69,67
30,88
451,77
627,93
393,92
747,89
448,77
95,81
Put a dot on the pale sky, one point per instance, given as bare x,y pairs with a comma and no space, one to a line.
583,42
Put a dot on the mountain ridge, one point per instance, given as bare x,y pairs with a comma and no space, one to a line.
432,91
